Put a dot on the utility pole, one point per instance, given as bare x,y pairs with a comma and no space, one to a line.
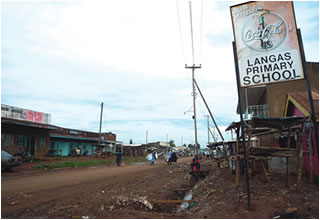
181,141
193,67
99,142
207,116
214,121
147,138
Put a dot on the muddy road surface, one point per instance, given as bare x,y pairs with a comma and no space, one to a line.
93,192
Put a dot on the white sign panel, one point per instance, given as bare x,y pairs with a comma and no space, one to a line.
267,43
24,114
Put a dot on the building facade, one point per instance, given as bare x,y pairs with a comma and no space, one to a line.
25,130
63,142
31,131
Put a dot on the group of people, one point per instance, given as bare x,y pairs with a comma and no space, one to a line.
152,156
171,157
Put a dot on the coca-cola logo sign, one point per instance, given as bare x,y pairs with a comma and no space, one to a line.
264,31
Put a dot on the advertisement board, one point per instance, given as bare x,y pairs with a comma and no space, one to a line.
24,114
267,43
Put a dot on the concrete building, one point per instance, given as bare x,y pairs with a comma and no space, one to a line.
31,131
26,130
63,141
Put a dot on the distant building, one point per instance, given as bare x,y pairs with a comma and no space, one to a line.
160,146
63,141
135,150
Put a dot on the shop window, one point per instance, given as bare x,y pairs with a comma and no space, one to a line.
41,142
52,145
21,140
6,140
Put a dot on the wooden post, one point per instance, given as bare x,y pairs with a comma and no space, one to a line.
310,146
287,158
300,158
287,172
265,172
238,171
238,159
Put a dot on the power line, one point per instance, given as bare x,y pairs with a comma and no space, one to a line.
191,28
168,102
180,30
201,31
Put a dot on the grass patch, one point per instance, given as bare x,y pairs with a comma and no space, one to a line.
67,164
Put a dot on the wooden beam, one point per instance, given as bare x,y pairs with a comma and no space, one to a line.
265,172
171,201
238,172
300,158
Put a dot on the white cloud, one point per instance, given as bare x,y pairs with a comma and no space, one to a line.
66,57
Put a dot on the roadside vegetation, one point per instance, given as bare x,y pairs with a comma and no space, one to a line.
84,163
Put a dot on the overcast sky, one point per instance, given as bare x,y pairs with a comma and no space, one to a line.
66,57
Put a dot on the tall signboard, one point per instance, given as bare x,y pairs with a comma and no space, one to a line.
266,41
24,114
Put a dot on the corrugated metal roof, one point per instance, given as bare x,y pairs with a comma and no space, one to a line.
277,123
303,99
26,123
73,137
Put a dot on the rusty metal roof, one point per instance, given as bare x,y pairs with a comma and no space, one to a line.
303,99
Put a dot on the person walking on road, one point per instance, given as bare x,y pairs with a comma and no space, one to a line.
150,157
118,158
169,157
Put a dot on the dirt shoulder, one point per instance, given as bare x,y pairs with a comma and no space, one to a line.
21,194
144,191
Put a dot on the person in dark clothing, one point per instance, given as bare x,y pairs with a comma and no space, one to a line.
195,163
118,158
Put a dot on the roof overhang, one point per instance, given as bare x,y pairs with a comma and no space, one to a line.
26,123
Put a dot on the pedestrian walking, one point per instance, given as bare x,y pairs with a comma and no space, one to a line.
150,157
78,152
118,158
169,158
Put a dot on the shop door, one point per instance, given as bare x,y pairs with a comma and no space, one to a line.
32,145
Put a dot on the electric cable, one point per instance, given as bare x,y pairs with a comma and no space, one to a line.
191,28
201,24
181,35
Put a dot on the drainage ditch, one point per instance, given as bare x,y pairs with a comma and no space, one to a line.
181,199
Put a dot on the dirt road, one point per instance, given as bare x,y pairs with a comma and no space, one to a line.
31,192
144,191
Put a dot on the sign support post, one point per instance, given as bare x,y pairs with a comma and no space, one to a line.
306,75
242,124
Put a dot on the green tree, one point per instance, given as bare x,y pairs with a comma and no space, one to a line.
171,143
130,142
191,146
